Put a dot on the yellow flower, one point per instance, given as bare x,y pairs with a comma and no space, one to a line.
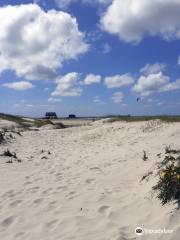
176,164
163,174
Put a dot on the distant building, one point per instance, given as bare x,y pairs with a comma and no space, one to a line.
51,115
72,116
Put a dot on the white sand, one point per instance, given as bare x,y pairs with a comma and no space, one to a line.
89,187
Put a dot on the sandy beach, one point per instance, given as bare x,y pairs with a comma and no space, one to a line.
84,183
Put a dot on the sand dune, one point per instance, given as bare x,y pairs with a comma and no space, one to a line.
84,183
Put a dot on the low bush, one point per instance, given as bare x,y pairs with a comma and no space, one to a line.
7,153
2,139
168,186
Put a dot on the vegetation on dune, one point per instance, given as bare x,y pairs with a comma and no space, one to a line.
129,118
40,123
43,122
168,186
11,155
21,123
2,138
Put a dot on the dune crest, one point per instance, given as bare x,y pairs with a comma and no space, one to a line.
86,183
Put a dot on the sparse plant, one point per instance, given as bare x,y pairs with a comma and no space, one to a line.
19,133
40,123
9,161
168,186
146,176
145,158
59,125
169,150
2,139
7,153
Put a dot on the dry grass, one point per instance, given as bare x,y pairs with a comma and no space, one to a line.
164,118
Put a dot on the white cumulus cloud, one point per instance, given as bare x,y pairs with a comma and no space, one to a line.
91,78
133,20
19,86
157,82
118,97
68,85
153,68
118,81
54,100
66,3
35,43
98,100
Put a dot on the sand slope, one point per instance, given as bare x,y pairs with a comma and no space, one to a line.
89,186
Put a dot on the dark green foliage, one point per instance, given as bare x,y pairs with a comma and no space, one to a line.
168,186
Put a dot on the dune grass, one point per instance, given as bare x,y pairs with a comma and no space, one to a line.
164,118
23,123
16,119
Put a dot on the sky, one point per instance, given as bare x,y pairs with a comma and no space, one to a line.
90,58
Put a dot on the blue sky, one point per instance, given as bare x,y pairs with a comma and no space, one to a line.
90,59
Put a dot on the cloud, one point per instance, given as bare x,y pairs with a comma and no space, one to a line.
66,3
106,48
54,100
30,105
118,97
98,100
35,43
91,78
171,86
157,82
153,68
133,20
19,86
118,81
101,2
68,85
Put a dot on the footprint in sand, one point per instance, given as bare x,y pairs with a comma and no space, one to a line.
19,234
27,183
104,210
124,234
90,180
96,169
61,188
47,191
33,189
15,203
38,200
7,221
50,224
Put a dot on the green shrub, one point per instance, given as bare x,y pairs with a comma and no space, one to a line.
168,186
